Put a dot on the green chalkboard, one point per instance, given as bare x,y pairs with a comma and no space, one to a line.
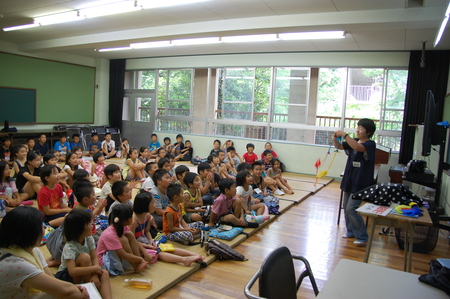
64,92
18,105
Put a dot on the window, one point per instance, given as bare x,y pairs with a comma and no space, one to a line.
294,104
346,95
174,100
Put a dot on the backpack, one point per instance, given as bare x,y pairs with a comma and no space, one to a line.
223,252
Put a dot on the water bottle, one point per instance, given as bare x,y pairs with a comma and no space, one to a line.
204,234
8,192
140,283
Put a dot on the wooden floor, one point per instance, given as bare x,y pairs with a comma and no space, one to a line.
307,229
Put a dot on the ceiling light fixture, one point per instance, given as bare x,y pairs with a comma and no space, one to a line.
443,25
233,39
196,41
312,35
160,44
249,38
21,27
100,10
114,49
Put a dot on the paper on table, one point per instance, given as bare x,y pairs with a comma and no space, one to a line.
374,209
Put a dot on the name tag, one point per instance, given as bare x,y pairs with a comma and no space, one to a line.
356,164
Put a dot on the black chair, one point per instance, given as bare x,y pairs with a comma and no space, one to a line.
277,276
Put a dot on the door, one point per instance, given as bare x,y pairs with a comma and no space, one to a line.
139,117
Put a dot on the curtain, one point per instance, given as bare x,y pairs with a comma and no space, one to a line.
434,77
116,92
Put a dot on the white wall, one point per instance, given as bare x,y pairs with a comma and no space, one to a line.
299,158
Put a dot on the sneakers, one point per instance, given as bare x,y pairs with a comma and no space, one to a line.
279,192
347,236
360,243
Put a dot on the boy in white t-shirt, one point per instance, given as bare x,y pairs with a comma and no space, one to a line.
112,174
109,146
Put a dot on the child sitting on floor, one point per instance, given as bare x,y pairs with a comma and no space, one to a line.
50,195
142,224
180,173
112,174
6,182
144,155
79,262
258,185
150,169
232,160
109,146
28,180
125,148
122,193
133,169
276,174
250,157
98,168
174,226
193,207
72,164
161,178
228,210
244,191
118,245
85,164
20,157
268,147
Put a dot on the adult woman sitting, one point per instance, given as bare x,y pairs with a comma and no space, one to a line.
25,273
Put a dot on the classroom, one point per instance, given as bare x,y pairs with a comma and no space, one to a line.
250,71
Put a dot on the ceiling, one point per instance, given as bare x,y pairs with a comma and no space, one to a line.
370,25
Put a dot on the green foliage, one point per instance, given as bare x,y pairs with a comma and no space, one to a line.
329,99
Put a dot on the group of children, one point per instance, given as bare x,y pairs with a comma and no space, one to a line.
227,189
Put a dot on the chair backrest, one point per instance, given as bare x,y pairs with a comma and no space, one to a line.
277,277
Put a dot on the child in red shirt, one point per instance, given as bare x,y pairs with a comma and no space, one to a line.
50,197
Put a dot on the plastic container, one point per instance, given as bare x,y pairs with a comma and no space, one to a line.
140,283
8,192
204,235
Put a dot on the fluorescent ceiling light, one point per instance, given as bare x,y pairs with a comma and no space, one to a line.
101,10
249,38
160,44
196,41
114,49
443,25
312,35
158,3
58,18
21,27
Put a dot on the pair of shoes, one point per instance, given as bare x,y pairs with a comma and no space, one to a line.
252,225
360,243
347,236
279,192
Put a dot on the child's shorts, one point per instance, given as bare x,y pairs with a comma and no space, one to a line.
64,275
113,264
48,218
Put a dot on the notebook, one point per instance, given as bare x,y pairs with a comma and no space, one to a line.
444,262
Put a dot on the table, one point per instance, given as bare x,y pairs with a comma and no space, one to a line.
408,223
356,280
